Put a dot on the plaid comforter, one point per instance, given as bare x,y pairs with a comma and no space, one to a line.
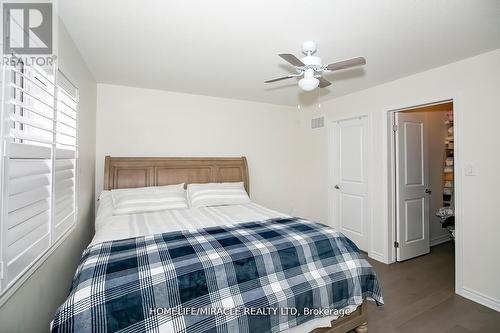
245,274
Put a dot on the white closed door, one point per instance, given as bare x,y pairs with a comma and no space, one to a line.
350,186
412,180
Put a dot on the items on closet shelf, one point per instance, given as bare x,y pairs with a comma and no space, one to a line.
448,163
447,218
447,214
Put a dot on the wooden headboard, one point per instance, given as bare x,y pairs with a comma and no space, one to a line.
128,172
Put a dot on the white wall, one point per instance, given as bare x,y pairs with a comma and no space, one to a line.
144,122
32,306
474,83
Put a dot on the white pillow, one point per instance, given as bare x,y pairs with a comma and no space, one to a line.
216,194
148,199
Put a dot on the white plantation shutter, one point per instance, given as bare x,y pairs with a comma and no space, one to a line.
65,157
27,177
28,213
38,170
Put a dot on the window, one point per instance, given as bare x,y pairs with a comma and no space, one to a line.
38,168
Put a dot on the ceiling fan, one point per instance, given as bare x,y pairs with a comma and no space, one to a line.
310,67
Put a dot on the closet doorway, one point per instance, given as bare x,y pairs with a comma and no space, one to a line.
423,159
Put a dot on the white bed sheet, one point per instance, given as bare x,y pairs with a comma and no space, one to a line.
109,227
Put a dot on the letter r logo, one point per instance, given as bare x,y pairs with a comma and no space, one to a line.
27,28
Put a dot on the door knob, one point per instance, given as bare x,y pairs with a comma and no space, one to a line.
428,191
336,187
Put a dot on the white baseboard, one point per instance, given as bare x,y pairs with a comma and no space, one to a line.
439,240
378,256
480,298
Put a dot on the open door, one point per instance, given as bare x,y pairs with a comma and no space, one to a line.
350,190
412,181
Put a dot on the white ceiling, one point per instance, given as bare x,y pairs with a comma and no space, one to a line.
227,48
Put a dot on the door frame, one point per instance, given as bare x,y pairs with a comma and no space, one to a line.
390,161
331,176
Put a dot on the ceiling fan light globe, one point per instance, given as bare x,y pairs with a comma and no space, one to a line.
308,84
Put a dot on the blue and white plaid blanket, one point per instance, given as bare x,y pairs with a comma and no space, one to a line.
239,278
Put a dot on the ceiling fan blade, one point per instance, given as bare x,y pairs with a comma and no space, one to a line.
346,64
290,58
323,82
280,78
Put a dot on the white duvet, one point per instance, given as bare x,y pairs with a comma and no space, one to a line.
109,227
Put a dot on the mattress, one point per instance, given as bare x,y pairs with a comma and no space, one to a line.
111,228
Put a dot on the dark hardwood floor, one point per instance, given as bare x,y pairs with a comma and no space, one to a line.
419,297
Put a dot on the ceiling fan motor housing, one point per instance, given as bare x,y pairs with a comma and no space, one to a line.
311,61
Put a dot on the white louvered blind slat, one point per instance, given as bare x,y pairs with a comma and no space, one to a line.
25,213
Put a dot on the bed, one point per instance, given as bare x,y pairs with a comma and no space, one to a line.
264,261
